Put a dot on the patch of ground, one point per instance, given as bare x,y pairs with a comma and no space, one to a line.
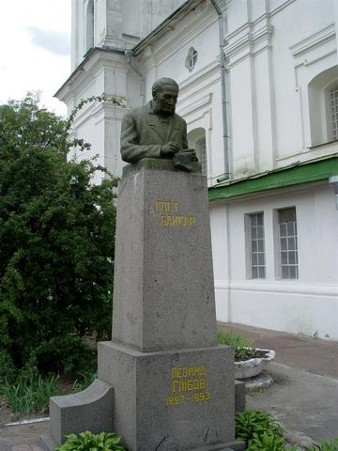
5,412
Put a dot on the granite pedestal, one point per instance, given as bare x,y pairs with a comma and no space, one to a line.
174,388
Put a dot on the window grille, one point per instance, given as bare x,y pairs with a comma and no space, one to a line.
334,112
288,243
257,245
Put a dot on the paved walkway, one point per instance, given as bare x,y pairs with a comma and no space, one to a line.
304,395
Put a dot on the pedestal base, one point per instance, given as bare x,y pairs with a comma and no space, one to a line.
91,409
172,400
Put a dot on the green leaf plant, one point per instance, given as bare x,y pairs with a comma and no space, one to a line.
253,424
87,441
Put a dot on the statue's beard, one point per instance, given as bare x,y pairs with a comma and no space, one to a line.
162,109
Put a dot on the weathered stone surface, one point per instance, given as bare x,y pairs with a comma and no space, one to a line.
163,289
174,400
240,396
91,409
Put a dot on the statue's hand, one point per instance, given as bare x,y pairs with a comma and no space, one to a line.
190,154
169,149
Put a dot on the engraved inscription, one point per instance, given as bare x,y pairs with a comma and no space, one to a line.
169,216
188,384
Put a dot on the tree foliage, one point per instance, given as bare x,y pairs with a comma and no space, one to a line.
56,242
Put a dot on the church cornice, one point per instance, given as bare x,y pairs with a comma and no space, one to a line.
93,58
174,34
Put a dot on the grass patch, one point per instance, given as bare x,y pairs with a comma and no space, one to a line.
29,393
243,346
83,380
232,339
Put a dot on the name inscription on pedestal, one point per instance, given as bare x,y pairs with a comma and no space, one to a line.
188,385
170,214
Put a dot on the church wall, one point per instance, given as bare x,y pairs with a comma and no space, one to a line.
307,305
271,63
274,69
276,76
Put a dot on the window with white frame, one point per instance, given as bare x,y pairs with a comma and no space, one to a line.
255,244
288,245
333,108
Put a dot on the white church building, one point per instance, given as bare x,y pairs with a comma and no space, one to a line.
259,92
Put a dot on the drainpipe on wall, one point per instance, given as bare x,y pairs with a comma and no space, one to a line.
128,54
226,174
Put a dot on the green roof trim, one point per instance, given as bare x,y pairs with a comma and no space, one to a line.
298,174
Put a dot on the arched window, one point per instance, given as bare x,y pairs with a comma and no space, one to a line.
333,111
90,25
323,105
197,140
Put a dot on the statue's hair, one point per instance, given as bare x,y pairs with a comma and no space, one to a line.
158,85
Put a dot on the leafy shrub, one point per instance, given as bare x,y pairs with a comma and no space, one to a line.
331,445
266,441
253,424
262,432
64,354
87,441
7,369
57,233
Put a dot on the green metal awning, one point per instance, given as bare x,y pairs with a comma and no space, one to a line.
297,174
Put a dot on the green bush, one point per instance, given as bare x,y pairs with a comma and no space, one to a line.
253,424
57,233
331,445
64,354
266,441
7,368
87,441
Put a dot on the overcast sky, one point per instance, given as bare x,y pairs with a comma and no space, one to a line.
34,49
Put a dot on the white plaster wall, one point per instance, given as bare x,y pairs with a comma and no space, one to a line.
271,62
120,23
308,305
112,157
290,91
220,236
153,12
91,132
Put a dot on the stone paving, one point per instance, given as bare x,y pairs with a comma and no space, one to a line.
23,437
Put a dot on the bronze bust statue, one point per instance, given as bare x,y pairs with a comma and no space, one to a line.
156,131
